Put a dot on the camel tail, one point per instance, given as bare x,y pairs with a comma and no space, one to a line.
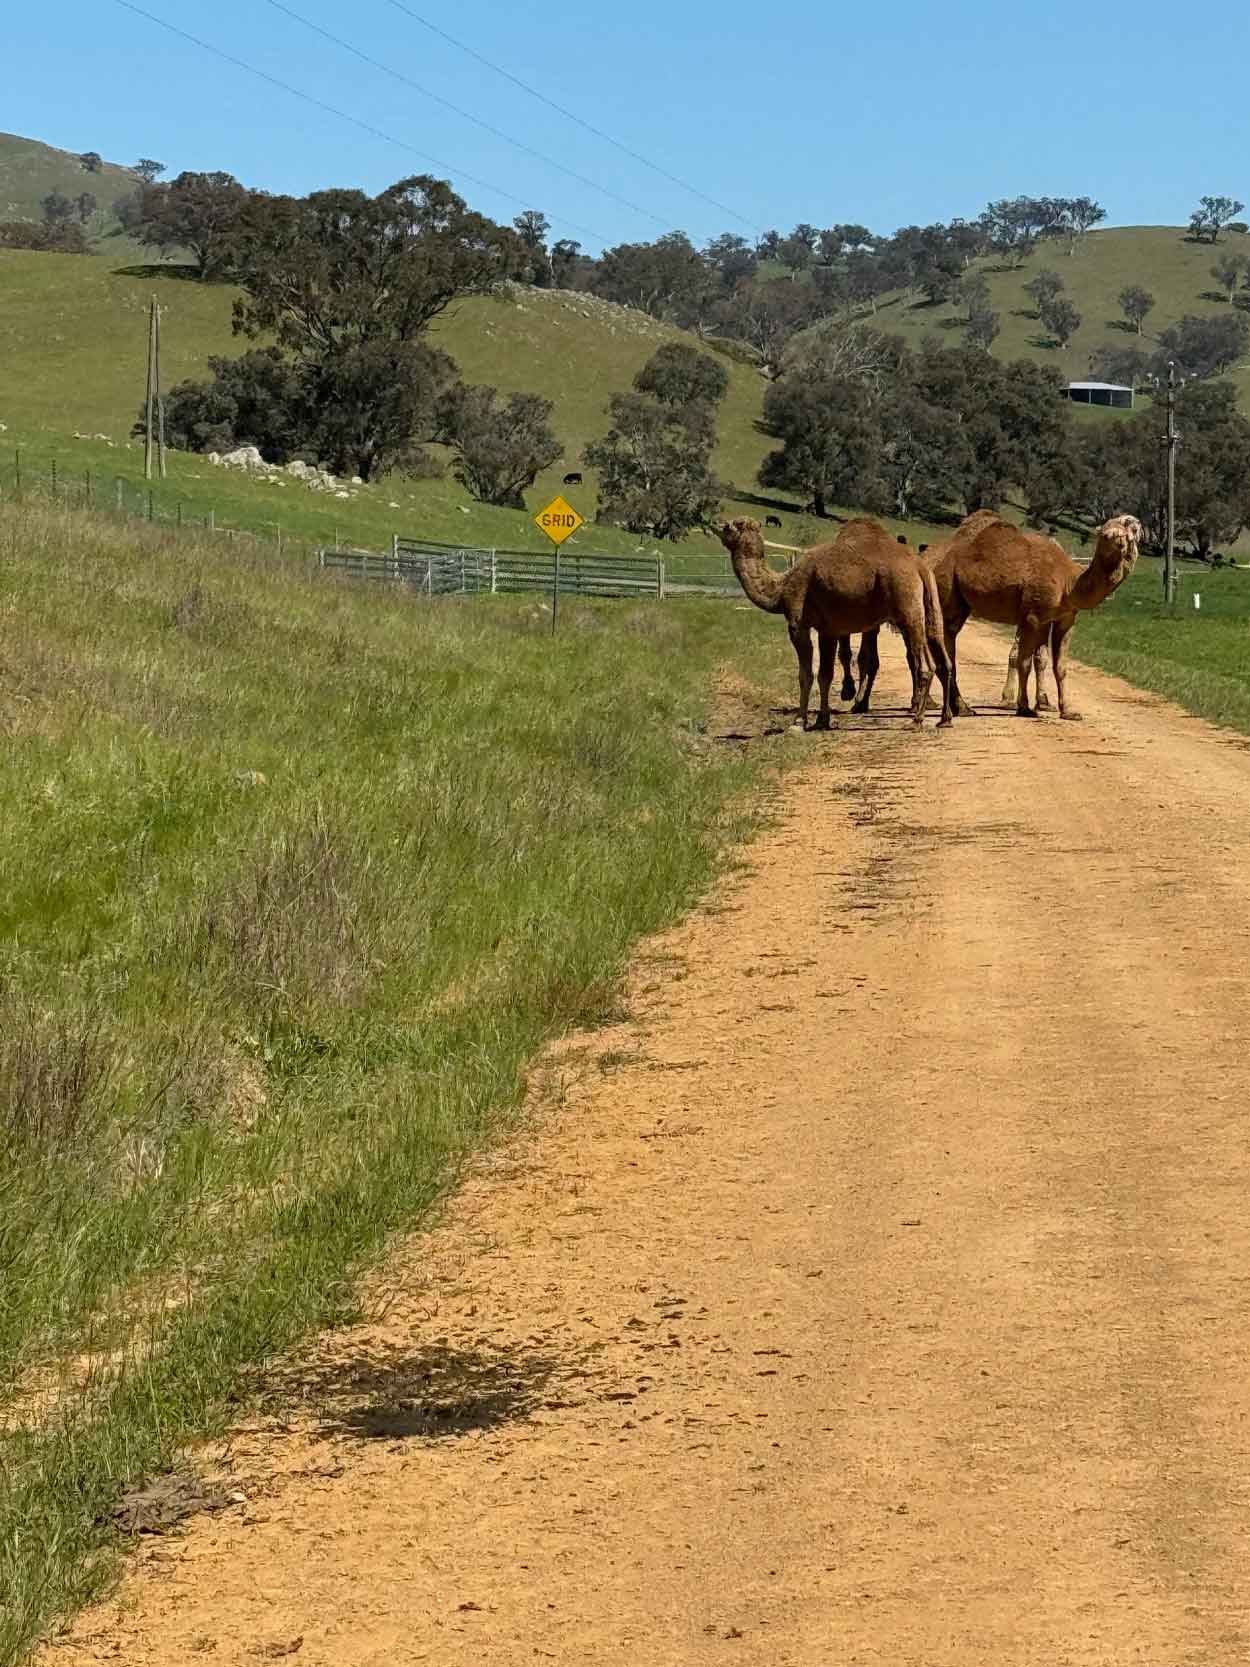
934,628
935,631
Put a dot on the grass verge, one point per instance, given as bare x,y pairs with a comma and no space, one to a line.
1198,657
295,877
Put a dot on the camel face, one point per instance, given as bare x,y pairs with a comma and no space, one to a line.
1124,532
731,533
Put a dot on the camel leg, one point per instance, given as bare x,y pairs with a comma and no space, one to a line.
942,666
869,665
1011,688
1040,661
824,677
801,637
1059,634
1030,637
959,705
844,656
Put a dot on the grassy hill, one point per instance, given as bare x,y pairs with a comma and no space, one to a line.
30,170
1176,271
73,335
72,339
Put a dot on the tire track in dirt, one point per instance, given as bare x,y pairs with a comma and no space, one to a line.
876,1294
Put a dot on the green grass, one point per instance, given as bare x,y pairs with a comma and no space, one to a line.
29,171
295,879
1199,658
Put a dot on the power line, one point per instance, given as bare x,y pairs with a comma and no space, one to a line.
559,108
407,81
342,115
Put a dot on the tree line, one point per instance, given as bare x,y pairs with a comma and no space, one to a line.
861,420
344,287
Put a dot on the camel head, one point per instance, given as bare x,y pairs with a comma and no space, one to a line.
1118,539
734,534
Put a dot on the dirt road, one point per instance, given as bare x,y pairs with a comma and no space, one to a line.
879,1293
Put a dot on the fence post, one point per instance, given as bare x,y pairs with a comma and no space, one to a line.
149,506
212,520
462,586
120,505
660,577
494,571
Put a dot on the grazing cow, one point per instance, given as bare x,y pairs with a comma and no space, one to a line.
573,480
923,548
901,539
773,521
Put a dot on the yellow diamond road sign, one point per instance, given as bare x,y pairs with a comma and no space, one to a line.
559,520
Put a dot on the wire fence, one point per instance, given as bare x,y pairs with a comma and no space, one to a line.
681,573
105,492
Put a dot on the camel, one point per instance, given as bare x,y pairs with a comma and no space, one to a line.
995,571
859,582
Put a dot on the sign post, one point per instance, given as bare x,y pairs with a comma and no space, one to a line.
559,521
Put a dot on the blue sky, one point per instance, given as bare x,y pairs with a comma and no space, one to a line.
884,114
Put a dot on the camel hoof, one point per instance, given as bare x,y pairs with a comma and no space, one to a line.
963,710
1072,717
1025,712
822,721
860,707
945,721
848,691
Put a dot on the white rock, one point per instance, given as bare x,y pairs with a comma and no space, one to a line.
244,457
342,494
356,481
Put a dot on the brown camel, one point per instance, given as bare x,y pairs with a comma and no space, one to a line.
995,571
859,582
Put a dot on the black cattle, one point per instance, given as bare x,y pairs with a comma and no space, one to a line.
572,480
773,521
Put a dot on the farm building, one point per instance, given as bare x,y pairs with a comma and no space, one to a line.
1101,393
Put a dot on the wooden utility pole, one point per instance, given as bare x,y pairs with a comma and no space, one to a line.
147,404
160,397
1169,555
